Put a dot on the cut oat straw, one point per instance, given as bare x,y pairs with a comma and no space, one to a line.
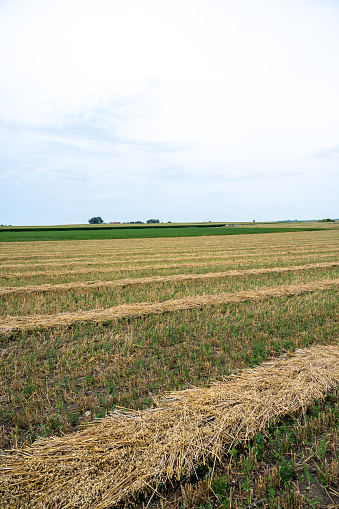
17,323
79,285
167,266
186,255
126,453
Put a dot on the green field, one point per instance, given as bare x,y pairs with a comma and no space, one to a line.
22,235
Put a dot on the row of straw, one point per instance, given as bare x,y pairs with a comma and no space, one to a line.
127,453
12,324
139,267
189,255
79,285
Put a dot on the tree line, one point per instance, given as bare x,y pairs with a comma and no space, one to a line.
99,220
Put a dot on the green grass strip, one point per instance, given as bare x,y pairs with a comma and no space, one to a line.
135,233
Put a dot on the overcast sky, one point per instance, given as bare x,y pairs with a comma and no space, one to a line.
183,110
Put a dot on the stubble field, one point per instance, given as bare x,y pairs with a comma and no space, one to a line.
89,326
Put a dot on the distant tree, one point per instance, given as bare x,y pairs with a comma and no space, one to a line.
95,220
152,221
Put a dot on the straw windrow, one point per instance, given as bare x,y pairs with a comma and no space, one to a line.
186,255
81,285
17,323
164,266
113,460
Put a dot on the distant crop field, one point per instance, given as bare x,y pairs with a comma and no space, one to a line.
135,232
89,326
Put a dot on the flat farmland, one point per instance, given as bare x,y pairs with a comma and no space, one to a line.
90,326
88,232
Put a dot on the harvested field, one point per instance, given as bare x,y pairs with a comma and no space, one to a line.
91,326
158,279
146,308
128,452
135,247
180,257
113,273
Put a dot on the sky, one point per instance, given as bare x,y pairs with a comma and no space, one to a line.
178,110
